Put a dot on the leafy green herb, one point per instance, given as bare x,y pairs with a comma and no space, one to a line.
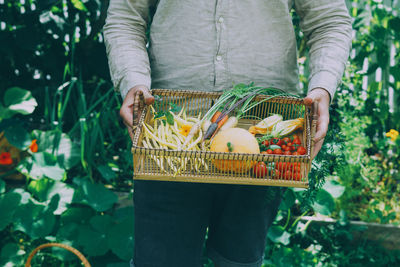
160,112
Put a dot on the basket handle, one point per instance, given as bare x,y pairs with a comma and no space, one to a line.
69,248
314,119
138,105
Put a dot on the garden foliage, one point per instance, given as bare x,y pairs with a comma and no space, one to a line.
65,162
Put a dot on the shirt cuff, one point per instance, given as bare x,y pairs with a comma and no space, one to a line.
132,80
325,80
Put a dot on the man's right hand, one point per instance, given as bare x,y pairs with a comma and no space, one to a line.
132,106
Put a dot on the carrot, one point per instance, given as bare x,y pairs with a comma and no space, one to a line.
210,130
219,124
215,116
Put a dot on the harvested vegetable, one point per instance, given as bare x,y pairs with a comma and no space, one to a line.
232,122
266,125
170,131
234,140
283,128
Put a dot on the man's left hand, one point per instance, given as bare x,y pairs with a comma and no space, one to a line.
323,98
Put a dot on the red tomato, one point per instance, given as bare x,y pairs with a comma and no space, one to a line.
278,151
297,176
284,147
287,152
297,141
295,165
276,141
296,168
260,170
286,140
281,166
269,151
287,148
264,152
295,136
277,174
296,153
301,150
288,175
266,143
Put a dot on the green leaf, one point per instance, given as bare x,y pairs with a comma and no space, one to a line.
18,136
19,100
170,118
35,220
93,243
95,195
25,196
78,215
334,188
106,172
101,223
45,189
288,200
175,108
8,205
120,239
41,165
79,5
11,255
324,203
59,144
278,235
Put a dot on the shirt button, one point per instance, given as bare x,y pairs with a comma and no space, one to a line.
221,19
219,58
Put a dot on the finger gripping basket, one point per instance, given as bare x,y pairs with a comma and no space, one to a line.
147,160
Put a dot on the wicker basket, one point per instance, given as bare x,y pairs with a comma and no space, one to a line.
194,102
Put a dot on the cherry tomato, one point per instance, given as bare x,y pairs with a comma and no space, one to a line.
288,175
297,176
301,150
269,151
281,166
277,174
296,153
284,147
290,144
260,169
296,168
266,143
278,151
287,148
287,152
295,165
297,141
295,136
276,141
286,140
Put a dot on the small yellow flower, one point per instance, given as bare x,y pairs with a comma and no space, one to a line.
392,134
185,129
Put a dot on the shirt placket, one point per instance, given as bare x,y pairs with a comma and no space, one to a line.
220,59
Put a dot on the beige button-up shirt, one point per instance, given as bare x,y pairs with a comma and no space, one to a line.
212,44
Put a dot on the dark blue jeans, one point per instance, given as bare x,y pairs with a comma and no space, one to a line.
172,220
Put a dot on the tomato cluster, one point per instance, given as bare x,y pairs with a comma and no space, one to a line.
283,146
280,170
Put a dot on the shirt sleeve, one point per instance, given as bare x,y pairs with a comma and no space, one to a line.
327,26
125,40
